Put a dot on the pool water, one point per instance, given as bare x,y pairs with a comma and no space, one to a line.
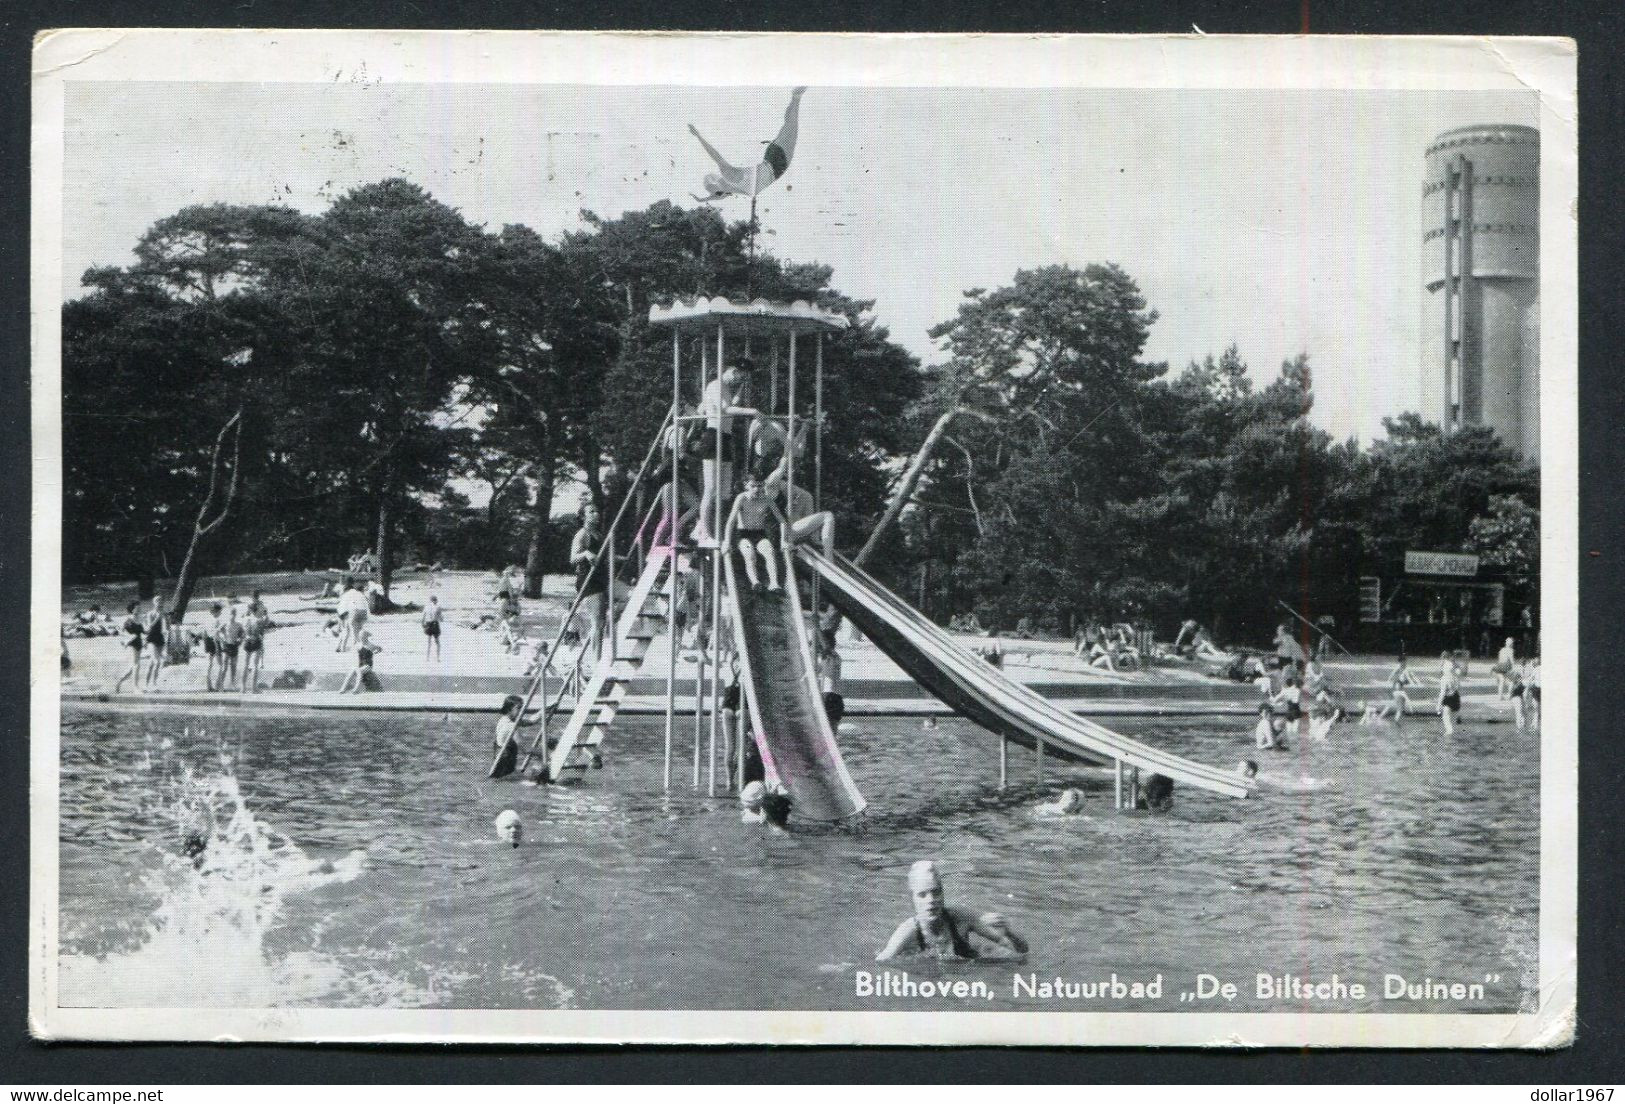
354,864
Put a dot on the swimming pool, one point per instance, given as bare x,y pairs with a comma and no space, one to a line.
369,874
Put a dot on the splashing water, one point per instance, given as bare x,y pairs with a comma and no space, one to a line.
221,894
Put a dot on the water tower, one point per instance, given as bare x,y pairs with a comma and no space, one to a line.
1481,271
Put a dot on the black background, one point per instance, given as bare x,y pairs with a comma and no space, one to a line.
1596,1057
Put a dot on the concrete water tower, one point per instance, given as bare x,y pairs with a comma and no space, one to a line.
1481,271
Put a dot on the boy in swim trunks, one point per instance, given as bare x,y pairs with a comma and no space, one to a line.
721,403
431,628
943,931
749,528
254,646
1449,703
230,640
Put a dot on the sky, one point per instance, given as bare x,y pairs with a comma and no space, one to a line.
1282,222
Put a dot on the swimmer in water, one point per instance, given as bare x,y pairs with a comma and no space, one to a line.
750,804
1399,702
510,829
1449,703
943,931
1159,794
1069,803
1267,733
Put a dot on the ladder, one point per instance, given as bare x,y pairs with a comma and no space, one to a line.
600,698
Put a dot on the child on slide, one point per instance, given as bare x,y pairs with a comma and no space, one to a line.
749,529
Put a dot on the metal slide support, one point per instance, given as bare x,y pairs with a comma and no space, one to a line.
1004,761
1038,757
818,493
716,562
790,428
671,582
1117,780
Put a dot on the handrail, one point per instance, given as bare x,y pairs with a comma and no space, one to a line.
569,615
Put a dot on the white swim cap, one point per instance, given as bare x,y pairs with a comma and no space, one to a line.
508,823
923,873
752,795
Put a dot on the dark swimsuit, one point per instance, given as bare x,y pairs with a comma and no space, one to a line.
363,657
137,634
1452,702
958,943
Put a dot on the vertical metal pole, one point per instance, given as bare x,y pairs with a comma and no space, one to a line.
1004,761
1134,789
773,378
818,485
790,427
671,581
716,559
1038,757
609,609
1117,789
739,745
699,706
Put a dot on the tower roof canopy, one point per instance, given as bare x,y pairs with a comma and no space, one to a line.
759,316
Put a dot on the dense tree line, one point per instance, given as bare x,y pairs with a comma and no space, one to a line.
1088,484
267,389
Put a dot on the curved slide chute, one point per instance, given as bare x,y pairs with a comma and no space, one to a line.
782,694
975,689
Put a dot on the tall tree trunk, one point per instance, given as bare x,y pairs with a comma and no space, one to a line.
384,546
204,526
911,481
590,463
541,533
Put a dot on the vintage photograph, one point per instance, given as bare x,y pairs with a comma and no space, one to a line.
804,539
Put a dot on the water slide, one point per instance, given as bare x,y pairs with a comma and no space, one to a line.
975,689
782,694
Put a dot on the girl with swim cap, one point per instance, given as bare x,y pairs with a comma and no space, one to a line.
510,829
943,931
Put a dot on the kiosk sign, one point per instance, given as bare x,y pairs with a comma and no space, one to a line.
1460,564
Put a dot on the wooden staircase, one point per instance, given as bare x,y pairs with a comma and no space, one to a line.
643,620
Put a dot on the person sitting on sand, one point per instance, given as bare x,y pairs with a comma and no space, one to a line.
993,650
1100,657
356,680
511,638
944,931
749,529
1188,630
1068,803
